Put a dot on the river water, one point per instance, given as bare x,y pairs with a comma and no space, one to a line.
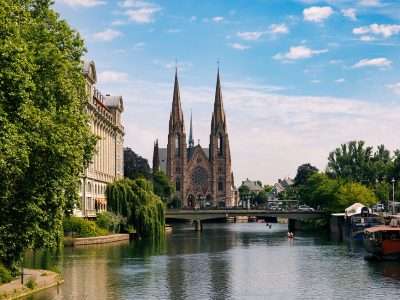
225,261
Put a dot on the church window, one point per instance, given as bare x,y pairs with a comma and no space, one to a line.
178,184
220,145
220,186
200,177
177,144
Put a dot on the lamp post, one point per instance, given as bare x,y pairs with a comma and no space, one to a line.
393,206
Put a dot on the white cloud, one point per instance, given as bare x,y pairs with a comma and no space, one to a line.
340,80
395,87
193,19
106,35
349,13
279,29
380,62
218,19
264,127
250,35
315,81
84,3
299,52
370,3
182,65
139,46
112,77
239,46
317,14
139,11
173,30
384,30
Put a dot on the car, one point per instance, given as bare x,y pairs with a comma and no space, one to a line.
305,208
379,207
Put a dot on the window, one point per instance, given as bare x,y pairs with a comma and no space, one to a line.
220,145
177,144
178,184
220,186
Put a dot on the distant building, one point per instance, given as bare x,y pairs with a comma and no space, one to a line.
107,163
202,176
253,186
280,187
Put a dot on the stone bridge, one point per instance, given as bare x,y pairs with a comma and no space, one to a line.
198,215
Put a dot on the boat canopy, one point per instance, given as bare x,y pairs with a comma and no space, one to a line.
355,209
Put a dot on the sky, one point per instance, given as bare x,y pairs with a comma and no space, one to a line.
299,77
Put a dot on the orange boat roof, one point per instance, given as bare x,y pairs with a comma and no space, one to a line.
382,228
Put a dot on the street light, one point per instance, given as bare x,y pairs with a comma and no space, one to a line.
393,207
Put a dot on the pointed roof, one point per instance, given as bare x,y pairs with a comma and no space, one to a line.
218,116
176,111
156,157
191,140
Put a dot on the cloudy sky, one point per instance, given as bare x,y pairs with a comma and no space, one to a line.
299,77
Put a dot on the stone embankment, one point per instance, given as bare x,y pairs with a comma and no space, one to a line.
97,240
34,281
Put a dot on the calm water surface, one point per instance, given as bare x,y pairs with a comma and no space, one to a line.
225,261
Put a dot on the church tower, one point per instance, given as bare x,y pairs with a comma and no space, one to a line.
176,148
156,158
220,156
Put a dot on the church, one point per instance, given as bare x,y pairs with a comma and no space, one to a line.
202,176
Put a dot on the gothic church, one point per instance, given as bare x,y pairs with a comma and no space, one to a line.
202,177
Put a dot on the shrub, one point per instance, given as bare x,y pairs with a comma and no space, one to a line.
82,227
5,274
108,221
31,284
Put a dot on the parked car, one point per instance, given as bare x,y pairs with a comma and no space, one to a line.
305,208
378,207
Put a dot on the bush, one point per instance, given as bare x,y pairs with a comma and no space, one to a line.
82,227
5,274
109,221
31,284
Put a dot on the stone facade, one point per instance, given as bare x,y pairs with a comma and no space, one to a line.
202,177
107,163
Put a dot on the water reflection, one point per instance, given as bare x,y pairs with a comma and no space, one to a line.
225,261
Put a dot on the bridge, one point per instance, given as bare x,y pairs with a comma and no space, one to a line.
198,215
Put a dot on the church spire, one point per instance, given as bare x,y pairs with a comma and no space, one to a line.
218,117
176,116
191,140
156,158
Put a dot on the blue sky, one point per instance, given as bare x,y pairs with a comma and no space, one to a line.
299,77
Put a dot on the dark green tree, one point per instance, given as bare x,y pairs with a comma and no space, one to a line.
163,187
303,173
45,140
135,166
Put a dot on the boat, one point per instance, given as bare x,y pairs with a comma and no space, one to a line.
383,241
358,217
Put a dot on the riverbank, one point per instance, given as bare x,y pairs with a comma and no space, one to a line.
34,281
112,238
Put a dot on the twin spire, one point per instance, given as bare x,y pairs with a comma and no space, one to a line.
176,117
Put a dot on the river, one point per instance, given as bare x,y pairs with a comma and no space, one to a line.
225,261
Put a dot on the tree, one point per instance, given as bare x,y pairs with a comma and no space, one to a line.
45,140
351,161
163,187
303,173
135,166
353,192
135,200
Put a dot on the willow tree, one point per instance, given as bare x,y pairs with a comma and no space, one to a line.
135,200
45,140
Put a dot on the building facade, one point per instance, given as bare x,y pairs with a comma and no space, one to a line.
107,163
202,176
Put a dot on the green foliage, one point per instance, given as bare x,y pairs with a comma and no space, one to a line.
109,221
5,274
45,140
82,227
31,283
163,187
303,173
351,192
135,166
135,200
